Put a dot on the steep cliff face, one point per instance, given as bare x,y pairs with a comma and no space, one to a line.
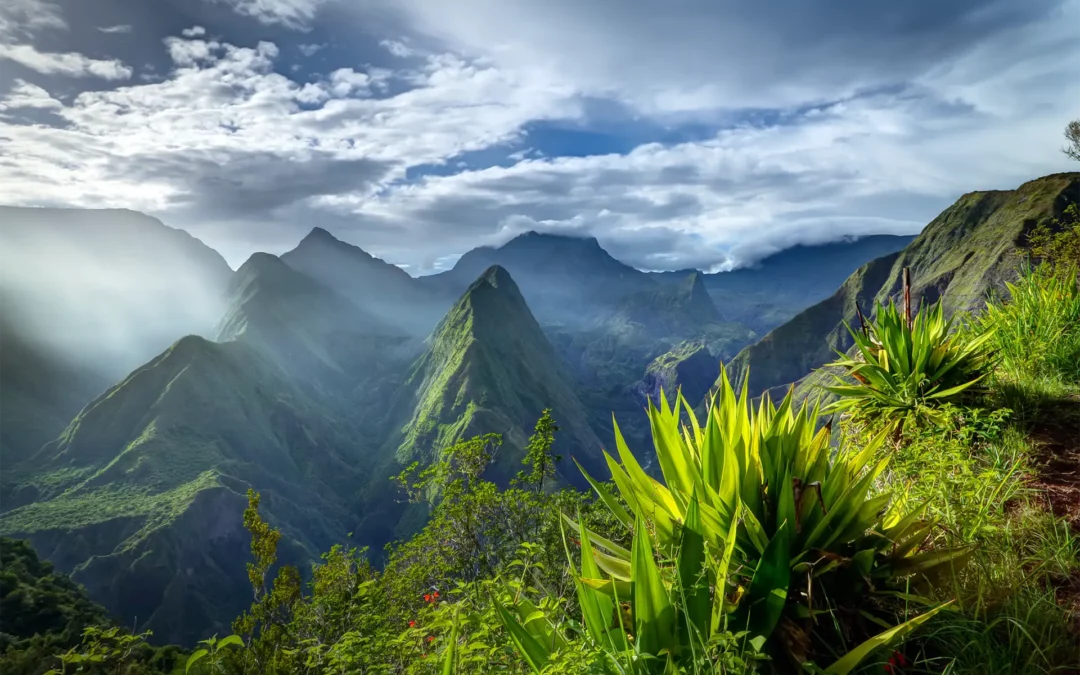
972,248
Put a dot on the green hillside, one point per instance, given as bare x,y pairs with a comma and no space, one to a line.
971,248
488,367
690,367
141,495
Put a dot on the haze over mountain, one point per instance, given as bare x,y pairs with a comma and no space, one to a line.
377,287
106,287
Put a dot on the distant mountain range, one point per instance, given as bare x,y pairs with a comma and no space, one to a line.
315,376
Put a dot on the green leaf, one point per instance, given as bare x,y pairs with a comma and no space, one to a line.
611,546
195,657
856,656
451,649
692,578
231,641
654,616
769,587
534,653
609,500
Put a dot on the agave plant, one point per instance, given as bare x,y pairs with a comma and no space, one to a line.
904,364
758,529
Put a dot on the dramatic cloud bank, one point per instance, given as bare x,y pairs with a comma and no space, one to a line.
690,134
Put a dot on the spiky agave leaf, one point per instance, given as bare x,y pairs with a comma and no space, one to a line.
782,518
902,366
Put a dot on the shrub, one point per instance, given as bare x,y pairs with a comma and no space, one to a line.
906,365
759,531
1036,330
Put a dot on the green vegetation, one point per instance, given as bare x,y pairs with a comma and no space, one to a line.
908,365
47,619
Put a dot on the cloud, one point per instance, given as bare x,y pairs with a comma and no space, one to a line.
227,144
882,164
22,19
296,14
248,158
696,56
71,63
398,49
194,31
26,95
119,28
310,49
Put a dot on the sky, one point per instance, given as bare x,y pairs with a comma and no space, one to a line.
688,133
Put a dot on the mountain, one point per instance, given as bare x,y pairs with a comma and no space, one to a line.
488,367
311,332
689,367
620,342
780,285
107,285
971,248
85,297
565,280
671,308
379,288
141,496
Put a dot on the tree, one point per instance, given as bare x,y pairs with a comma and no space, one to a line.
538,454
1072,135
264,625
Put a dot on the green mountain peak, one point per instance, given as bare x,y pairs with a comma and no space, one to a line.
489,367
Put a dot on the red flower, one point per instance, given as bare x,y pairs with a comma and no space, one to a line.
431,638
427,597
896,661
436,594
412,624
